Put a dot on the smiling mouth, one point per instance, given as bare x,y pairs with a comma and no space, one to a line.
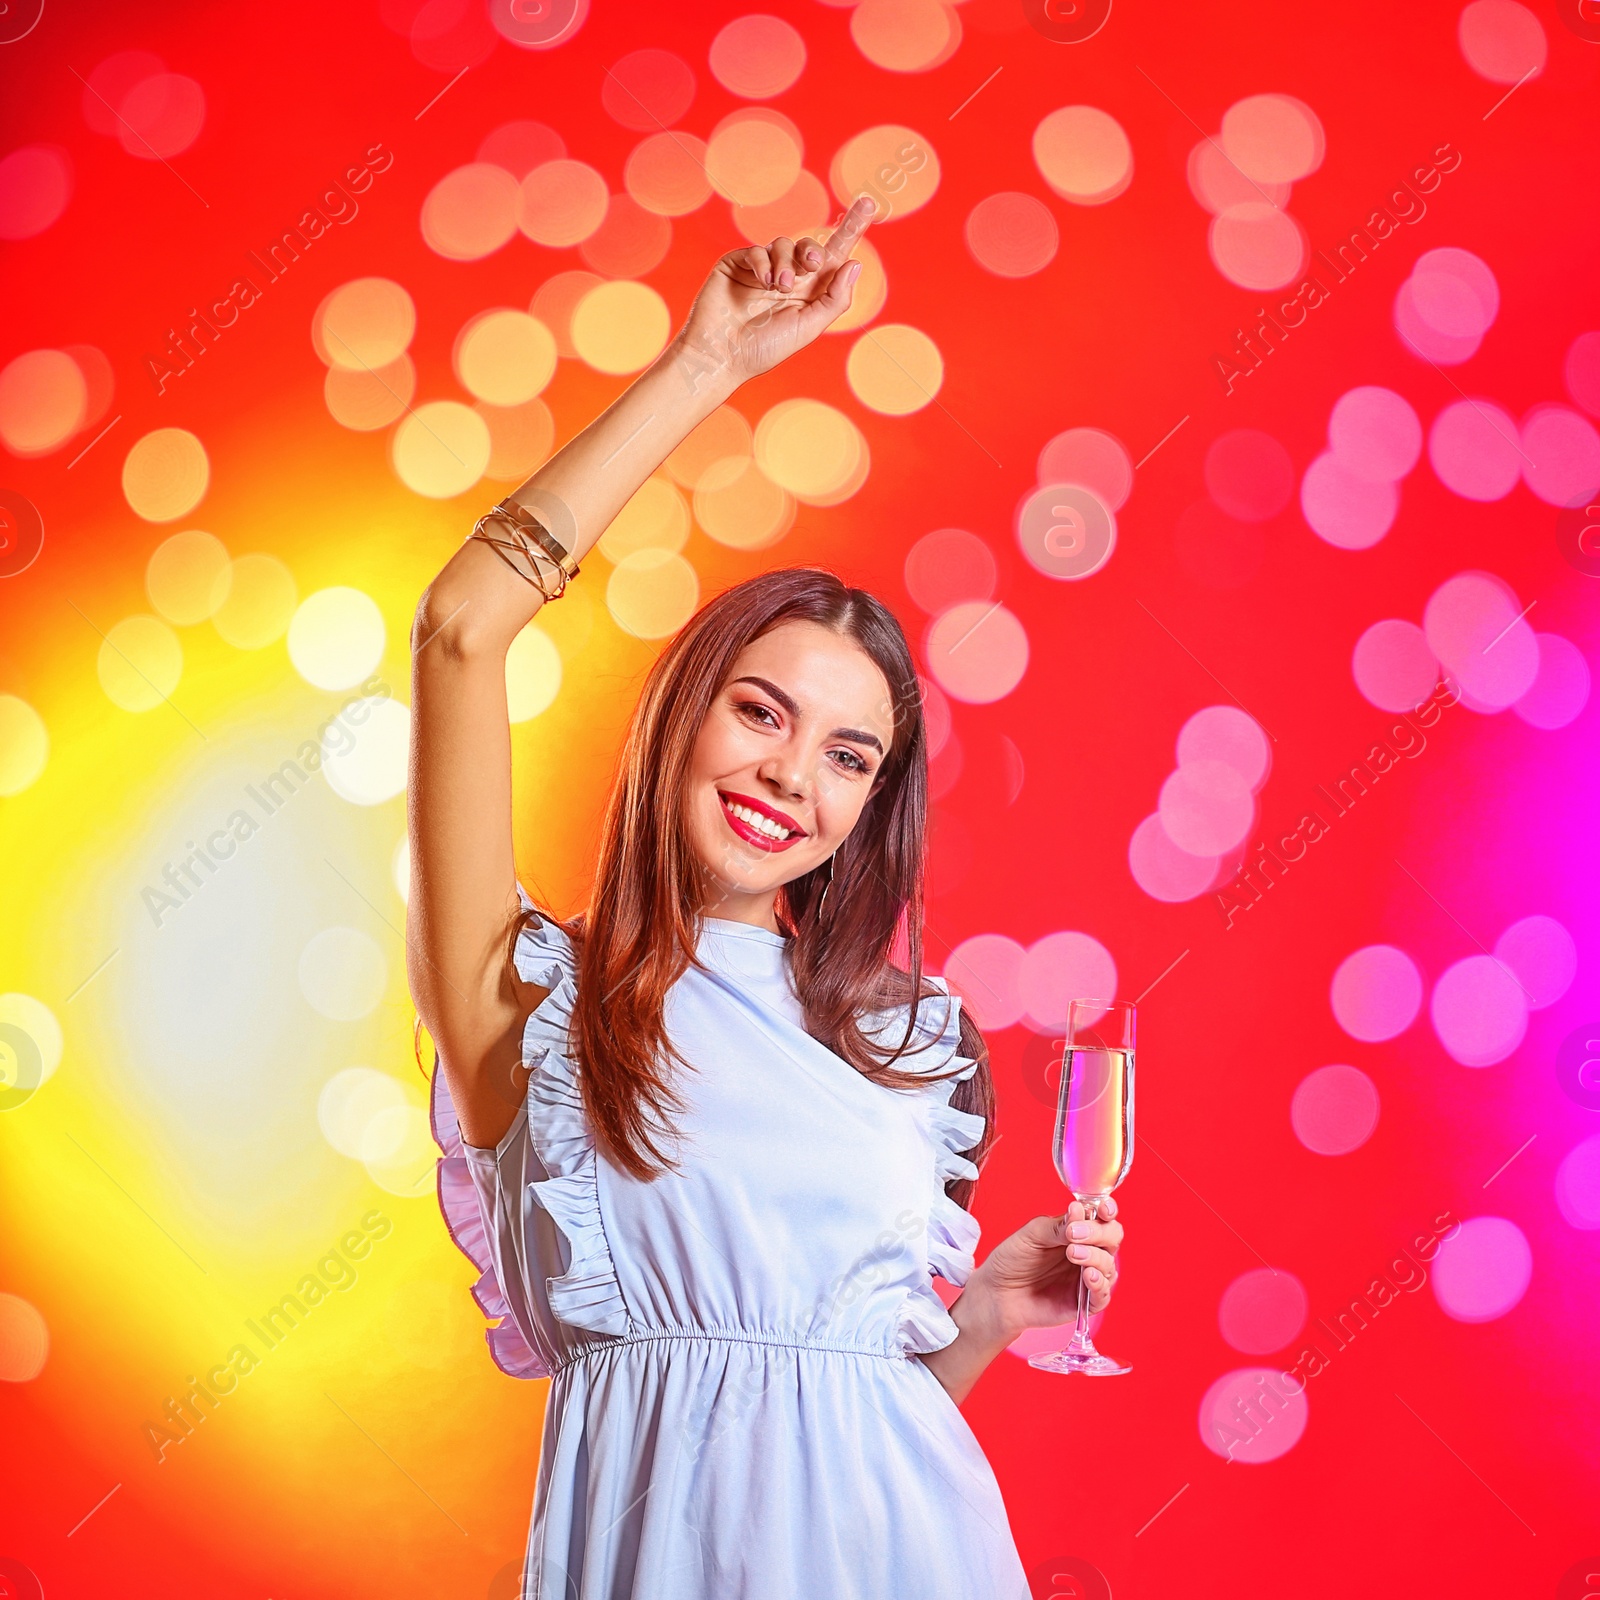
756,827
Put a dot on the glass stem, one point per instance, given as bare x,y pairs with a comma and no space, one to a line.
1080,1334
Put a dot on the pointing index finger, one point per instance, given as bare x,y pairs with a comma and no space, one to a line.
853,224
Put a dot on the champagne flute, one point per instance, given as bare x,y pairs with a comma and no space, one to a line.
1093,1144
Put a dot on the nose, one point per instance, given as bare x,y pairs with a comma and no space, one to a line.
786,770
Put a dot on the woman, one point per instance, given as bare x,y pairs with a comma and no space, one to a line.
703,1146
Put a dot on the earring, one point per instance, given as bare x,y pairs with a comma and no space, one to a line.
822,902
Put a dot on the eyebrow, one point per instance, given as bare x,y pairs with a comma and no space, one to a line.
787,701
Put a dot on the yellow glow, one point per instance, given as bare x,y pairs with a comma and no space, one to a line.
261,601
24,744
813,450
652,593
723,434
520,439
740,506
533,673
895,369
187,577
505,357
657,517
441,449
166,474
140,663
336,637
366,323
621,327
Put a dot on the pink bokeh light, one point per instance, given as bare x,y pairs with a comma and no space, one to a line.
1482,1270
1334,1110
1376,993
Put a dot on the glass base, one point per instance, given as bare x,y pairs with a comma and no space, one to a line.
1086,1360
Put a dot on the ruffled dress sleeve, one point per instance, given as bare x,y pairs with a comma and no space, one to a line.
527,1213
952,1231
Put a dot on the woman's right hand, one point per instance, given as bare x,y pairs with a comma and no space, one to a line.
763,303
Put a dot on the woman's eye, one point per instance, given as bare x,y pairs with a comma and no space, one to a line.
856,763
755,708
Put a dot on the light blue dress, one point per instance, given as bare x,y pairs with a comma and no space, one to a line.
736,1411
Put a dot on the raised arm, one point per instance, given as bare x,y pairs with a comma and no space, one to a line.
758,306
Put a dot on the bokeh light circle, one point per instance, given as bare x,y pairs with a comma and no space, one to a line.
1012,235
1231,735
521,438
629,242
336,637
948,566
985,970
1262,1310
24,745
724,435
1253,1415
1393,665
364,324
562,203
188,576
621,327
1542,955
891,162
1217,183
533,674
372,398
1206,807
1066,531
1502,41
1058,968
349,1100
140,663
656,517
1257,246
1083,154
24,1344
652,593
1334,1110
259,602
1348,512
977,651
161,116
1473,626
505,357
1092,457
811,449
440,449
895,369
1273,138
1374,434
368,765
44,400
1482,1270
1474,451
1162,869
35,187
648,90
753,156
757,56
1376,993
471,212
905,35
666,174
1560,689
1479,1011
1560,456
738,505
1249,474
1577,1185
165,475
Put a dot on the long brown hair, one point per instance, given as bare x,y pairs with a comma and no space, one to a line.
637,936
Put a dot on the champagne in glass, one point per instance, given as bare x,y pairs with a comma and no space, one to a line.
1093,1144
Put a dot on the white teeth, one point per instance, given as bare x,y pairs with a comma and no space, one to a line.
756,820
